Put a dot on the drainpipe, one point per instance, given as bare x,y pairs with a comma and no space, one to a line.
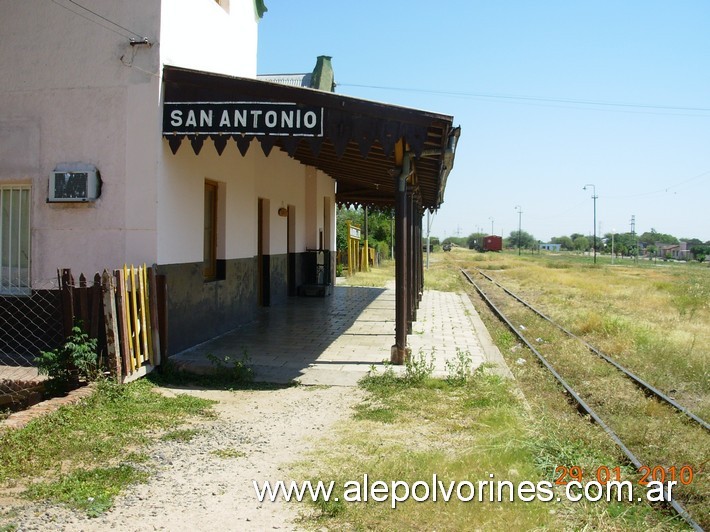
400,352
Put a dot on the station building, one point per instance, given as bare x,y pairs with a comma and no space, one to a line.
138,132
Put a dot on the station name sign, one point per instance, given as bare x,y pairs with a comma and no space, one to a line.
242,118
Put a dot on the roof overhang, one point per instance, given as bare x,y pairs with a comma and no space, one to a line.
358,143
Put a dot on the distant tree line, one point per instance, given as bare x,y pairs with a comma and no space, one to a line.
380,226
625,244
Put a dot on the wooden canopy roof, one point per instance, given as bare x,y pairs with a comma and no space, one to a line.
357,142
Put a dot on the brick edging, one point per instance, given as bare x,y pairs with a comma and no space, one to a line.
17,420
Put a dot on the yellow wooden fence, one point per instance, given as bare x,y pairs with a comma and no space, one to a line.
132,326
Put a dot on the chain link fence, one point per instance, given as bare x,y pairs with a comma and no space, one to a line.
29,324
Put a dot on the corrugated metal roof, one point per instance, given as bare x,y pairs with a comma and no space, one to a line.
294,80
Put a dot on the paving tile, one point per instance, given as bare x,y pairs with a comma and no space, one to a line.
335,340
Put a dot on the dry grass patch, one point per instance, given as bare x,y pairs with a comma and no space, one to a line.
464,432
639,323
655,319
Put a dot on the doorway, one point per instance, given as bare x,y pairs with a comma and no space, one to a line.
291,251
262,253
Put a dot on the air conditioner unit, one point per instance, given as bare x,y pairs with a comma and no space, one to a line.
74,186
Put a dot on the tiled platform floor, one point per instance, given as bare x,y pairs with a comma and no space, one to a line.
337,339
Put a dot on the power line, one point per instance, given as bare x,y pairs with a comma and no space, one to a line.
535,99
663,190
141,38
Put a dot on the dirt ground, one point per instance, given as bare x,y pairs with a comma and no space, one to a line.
256,435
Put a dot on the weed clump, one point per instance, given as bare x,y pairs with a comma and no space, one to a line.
70,364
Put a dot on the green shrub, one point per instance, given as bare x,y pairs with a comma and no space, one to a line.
69,365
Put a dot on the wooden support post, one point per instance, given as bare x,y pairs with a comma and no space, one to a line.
411,281
419,251
113,352
400,352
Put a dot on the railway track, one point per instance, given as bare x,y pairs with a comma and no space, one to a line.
636,454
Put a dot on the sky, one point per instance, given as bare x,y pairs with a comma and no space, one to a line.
551,95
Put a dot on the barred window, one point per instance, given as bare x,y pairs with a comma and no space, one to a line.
14,239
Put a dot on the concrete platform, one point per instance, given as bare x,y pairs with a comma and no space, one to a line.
336,340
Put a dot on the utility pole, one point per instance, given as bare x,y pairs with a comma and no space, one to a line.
633,236
520,223
594,197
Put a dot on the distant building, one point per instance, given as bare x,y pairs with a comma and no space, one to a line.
551,247
673,251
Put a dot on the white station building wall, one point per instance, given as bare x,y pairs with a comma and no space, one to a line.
210,36
242,181
74,91
77,91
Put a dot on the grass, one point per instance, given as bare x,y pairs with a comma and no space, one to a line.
652,317
84,454
632,313
411,429
229,373
443,279
92,491
229,453
411,426
376,277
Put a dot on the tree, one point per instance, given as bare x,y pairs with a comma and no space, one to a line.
650,238
692,241
379,227
700,252
527,241
581,243
624,243
565,242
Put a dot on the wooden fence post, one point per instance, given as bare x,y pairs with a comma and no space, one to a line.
67,302
83,304
113,352
145,350
134,321
123,314
95,307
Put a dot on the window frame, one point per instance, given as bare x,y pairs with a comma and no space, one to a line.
22,240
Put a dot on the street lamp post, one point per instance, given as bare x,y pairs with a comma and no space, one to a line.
492,220
594,197
520,223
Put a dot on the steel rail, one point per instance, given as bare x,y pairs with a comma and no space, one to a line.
645,386
679,508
